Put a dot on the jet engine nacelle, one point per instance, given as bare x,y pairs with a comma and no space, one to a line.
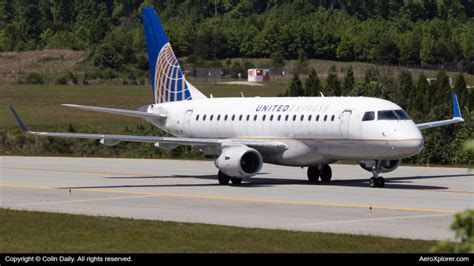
387,165
241,162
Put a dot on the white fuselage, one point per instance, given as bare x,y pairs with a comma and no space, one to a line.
317,130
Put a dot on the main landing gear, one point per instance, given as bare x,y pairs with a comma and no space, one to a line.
315,172
376,180
225,179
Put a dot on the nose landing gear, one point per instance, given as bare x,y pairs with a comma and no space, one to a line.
376,180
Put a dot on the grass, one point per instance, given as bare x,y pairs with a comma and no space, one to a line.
25,232
40,105
14,65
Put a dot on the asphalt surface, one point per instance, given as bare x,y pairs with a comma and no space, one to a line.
416,203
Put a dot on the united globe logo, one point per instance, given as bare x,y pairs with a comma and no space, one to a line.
170,83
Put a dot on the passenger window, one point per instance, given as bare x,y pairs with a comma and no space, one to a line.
317,118
210,118
332,118
325,118
286,117
368,116
204,118
218,117
263,117
233,117
248,117
197,118
279,117
294,118
240,117
255,117
302,117
309,117
225,117
271,118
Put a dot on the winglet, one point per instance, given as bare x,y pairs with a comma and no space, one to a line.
456,110
18,119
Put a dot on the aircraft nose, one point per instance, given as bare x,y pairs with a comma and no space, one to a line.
409,143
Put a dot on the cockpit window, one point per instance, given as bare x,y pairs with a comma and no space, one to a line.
387,115
368,116
393,115
402,114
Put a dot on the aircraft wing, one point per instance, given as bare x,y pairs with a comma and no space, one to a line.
456,117
140,114
265,145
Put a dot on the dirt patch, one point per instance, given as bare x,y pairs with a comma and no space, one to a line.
14,65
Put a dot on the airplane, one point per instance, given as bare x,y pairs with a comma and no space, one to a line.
244,133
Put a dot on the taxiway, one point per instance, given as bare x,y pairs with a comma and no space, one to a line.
417,202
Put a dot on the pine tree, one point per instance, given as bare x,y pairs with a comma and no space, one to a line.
441,96
460,89
421,102
404,95
333,86
312,85
296,88
277,59
302,64
470,100
349,82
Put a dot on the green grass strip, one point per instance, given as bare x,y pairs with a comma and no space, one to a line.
26,231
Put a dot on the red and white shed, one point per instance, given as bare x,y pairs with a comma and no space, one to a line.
258,75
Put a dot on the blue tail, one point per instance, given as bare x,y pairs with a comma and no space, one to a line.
167,79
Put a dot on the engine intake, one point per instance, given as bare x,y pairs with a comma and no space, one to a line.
239,162
387,165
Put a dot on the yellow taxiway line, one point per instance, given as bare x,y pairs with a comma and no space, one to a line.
138,175
236,199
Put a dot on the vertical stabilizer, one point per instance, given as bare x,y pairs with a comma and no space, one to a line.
167,79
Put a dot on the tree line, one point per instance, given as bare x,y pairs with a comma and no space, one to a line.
423,32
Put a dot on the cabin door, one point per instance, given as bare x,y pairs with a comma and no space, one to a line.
344,124
187,122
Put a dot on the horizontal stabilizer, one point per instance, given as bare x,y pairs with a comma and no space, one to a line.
140,114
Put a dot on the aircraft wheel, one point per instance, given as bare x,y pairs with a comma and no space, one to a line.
381,181
373,182
326,173
236,180
377,182
223,178
313,174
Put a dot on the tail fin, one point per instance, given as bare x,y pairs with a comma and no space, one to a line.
168,81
